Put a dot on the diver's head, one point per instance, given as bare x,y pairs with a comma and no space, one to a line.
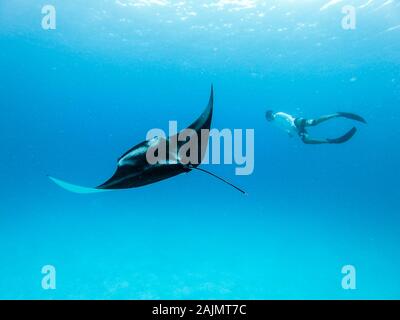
269,115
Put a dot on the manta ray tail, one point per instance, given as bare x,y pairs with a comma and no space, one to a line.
75,188
219,178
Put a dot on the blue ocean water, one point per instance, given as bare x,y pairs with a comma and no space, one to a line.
75,98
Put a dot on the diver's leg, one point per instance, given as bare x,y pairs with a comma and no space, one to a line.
305,137
346,137
315,122
301,125
347,115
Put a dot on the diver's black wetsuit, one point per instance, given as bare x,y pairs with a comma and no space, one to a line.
302,124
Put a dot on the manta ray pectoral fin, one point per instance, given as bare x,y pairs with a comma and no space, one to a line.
75,188
204,121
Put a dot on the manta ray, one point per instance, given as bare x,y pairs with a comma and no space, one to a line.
134,170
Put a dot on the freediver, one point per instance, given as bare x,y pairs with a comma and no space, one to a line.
297,126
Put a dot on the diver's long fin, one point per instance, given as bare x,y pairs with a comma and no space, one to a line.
215,176
346,137
75,188
352,116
